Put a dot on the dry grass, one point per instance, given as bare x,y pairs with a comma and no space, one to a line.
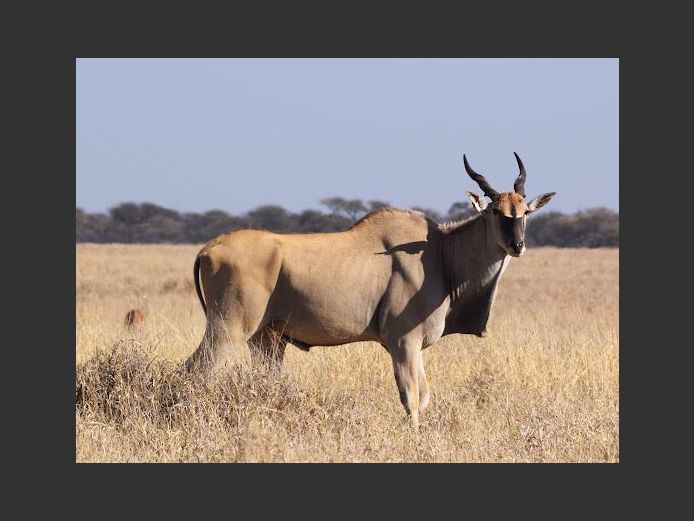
544,386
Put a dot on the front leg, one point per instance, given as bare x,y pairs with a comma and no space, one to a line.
423,385
406,357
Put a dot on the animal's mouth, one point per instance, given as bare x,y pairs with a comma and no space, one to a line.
514,253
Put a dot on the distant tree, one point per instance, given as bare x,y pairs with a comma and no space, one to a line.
271,217
81,225
149,211
547,229
80,215
311,221
315,221
460,210
128,214
594,228
203,227
350,208
598,227
375,203
432,214
161,229
91,227
101,228
334,204
124,220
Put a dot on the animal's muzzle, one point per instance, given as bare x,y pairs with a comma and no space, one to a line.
517,247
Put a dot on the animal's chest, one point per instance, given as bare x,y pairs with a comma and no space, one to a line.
415,305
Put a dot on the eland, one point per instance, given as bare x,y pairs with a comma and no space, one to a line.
395,277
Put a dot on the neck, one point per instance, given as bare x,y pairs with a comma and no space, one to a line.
472,260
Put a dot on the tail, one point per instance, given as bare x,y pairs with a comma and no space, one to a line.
196,277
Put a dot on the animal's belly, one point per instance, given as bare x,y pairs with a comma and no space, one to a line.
330,296
312,336
326,321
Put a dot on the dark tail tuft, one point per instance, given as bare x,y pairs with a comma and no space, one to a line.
196,277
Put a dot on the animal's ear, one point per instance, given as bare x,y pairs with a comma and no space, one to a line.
479,202
540,201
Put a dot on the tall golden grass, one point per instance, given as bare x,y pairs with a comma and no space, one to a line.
542,387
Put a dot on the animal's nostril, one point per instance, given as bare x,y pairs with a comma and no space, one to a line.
517,245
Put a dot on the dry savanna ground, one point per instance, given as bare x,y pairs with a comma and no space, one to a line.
542,387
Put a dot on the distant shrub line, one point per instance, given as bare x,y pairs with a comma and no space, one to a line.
150,223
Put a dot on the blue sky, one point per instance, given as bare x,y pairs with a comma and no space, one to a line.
234,134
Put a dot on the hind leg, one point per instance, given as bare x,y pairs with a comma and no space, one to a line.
235,290
229,328
219,345
267,347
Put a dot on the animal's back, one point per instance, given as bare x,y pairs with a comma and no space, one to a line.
381,228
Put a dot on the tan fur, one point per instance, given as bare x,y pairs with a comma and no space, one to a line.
134,319
388,279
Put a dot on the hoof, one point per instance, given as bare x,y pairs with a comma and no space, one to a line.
410,422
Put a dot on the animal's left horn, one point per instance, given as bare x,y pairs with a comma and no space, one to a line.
519,184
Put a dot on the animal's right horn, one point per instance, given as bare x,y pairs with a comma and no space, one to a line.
480,180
